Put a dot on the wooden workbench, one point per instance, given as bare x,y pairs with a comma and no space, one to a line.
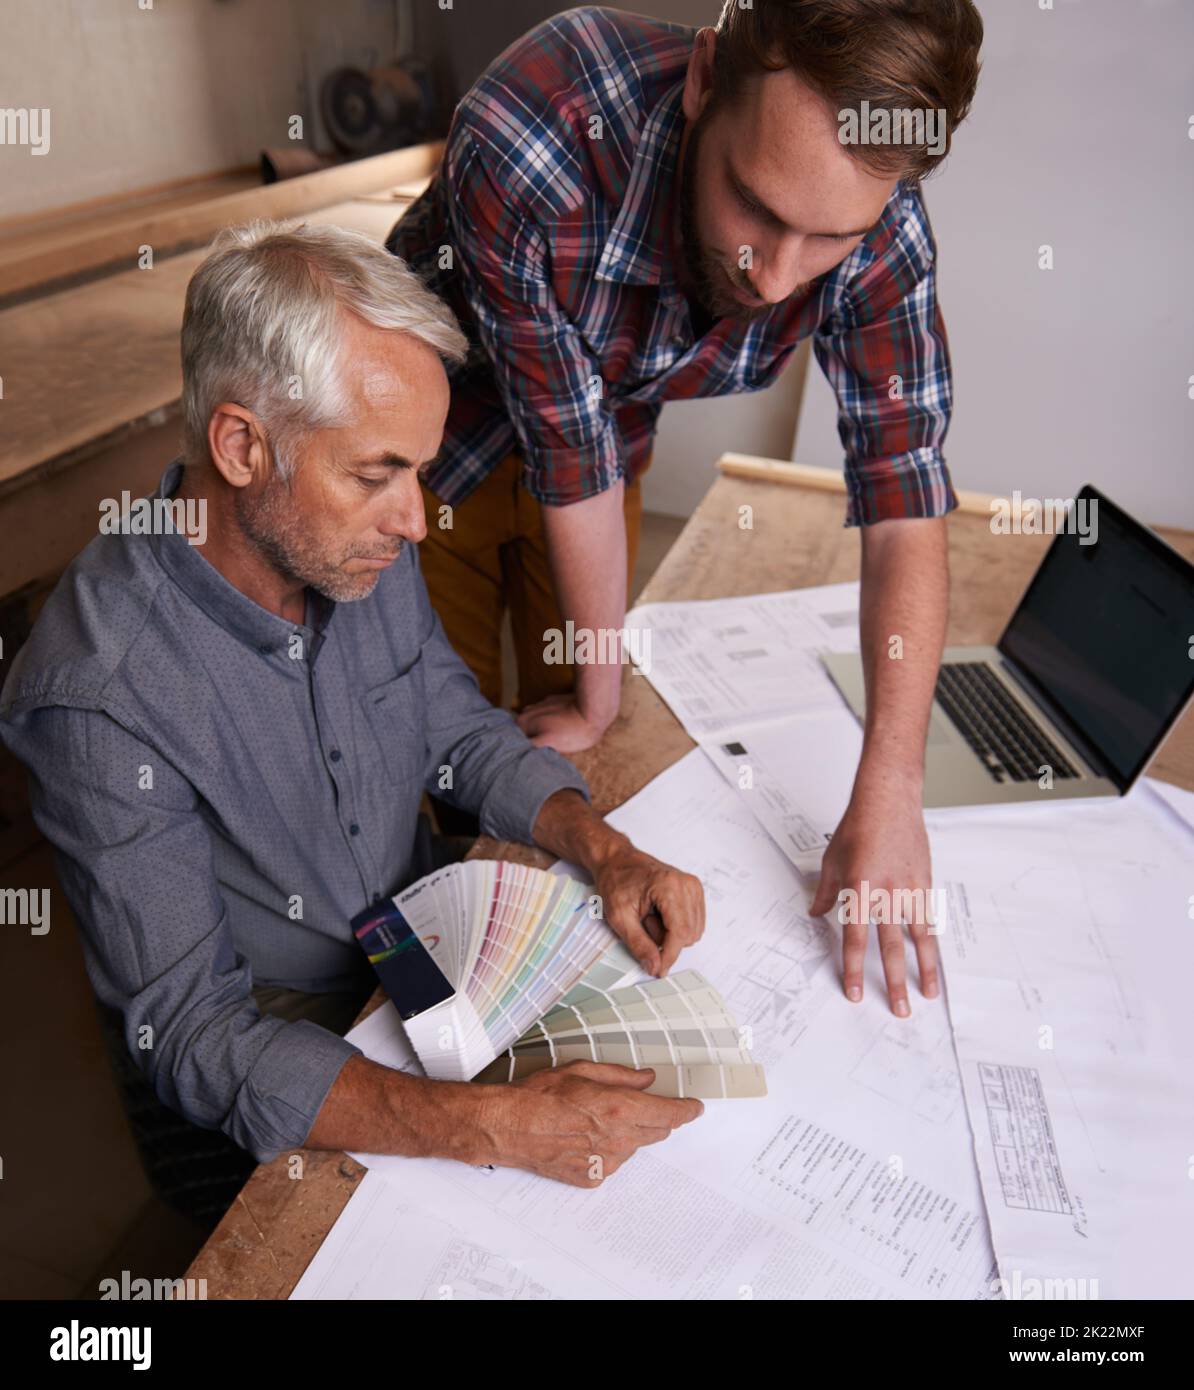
269,1235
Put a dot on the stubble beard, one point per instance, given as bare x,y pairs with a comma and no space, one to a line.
271,523
710,277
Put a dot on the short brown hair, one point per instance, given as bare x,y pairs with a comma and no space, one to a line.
893,54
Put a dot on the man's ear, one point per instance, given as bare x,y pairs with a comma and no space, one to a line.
237,444
698,81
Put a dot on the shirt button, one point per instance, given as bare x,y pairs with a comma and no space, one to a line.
334,755
354,829
265,651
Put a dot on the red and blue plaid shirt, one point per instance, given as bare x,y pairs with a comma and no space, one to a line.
549,229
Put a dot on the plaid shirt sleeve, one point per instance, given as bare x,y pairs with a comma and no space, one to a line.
549,381
885,353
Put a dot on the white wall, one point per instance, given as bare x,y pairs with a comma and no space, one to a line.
1078,139
139,97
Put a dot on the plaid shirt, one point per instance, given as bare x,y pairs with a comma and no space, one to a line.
549,229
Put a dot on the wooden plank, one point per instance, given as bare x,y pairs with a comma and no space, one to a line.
84,365
79,223
823,479
172,228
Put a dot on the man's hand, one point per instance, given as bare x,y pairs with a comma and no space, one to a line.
631,885
883,843
558,722
576,1123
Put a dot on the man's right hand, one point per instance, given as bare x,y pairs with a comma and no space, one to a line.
577,1123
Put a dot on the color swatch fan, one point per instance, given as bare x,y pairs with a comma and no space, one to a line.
680,1026
474,954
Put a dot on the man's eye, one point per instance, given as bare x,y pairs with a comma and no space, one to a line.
747,203
370,483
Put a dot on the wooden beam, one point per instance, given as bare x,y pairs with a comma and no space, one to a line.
808,475
34,264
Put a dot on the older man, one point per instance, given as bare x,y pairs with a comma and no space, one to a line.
228,741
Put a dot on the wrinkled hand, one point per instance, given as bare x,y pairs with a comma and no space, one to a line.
885,845
577,1123
632,886
557,722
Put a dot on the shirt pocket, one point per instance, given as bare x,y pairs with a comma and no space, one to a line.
396,711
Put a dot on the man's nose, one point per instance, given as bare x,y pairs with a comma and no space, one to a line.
781,269
406,516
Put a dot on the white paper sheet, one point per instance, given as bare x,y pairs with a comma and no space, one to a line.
853,1178
744,677
1069,960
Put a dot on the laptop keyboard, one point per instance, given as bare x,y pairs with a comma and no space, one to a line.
994,724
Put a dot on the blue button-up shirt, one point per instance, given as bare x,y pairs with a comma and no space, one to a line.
225,790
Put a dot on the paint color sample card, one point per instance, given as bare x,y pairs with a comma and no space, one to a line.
678,1026
474,954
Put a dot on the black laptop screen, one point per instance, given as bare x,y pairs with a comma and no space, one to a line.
1105,629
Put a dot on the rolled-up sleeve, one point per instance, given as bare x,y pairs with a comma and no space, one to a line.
885,353
478,757
135,860
550,382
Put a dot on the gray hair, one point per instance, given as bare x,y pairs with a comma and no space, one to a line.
261,326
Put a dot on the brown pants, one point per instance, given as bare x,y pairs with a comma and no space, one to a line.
494,556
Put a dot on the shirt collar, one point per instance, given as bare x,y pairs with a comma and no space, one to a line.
223,602
638,248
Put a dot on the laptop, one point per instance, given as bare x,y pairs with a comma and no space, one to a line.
1094,669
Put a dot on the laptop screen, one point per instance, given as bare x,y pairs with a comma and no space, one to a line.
1105,630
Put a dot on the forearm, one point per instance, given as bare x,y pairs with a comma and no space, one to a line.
903,607
568,827
375,1109
586,550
